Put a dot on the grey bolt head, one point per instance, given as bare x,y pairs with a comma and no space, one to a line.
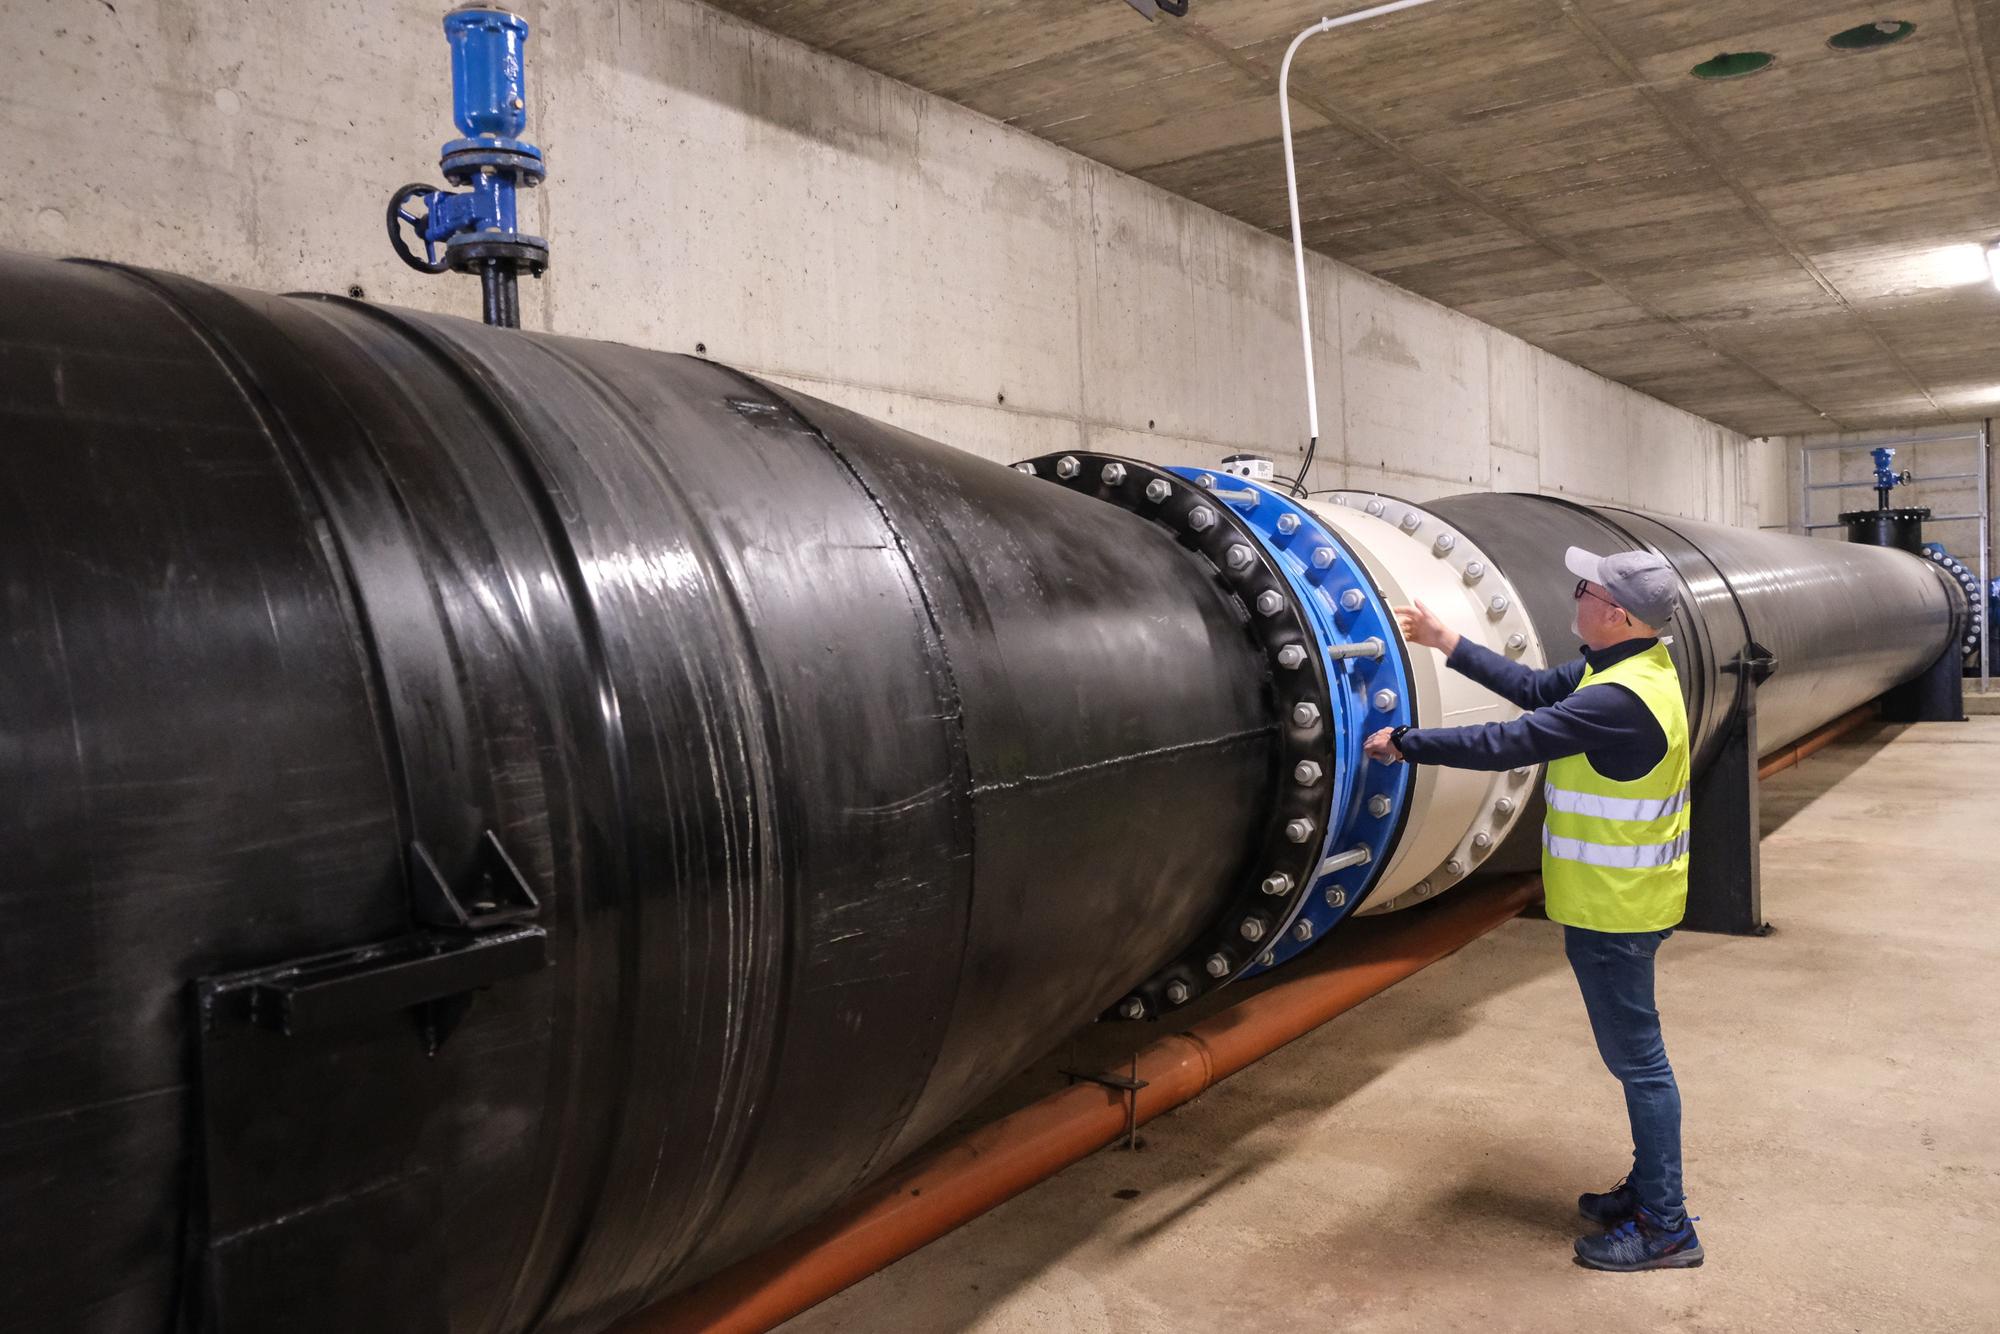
1217,966
1385,700
1280,883
1323,558
1201,518
1444,544
1498,604
1306,772
1523,771
1305,714
1132,1008
1482,839
1474,571
1267,958
1206,480
1158,490
1375,507
1302,931
1504,806
1178,992
1298,830
1336,898
1516,642
1423,889
1239,557
1351,600
1269,602
1027,468
1067,467
1454,866
1379,805
1251,930
1291,657
1288,524
1113,474
1412,521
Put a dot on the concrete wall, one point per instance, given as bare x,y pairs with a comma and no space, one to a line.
802,218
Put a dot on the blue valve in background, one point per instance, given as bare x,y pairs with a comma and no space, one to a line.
477,229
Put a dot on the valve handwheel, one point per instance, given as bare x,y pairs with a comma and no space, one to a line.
400,217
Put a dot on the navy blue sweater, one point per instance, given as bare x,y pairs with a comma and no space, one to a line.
1613,727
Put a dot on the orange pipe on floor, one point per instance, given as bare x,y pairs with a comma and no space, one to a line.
960,1181
1814,742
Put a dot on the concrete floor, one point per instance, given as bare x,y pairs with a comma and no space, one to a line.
1412,1165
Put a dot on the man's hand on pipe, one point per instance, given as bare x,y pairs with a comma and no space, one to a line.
1382,745
1420,625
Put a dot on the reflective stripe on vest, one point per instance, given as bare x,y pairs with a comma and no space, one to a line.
1629,857
1612,808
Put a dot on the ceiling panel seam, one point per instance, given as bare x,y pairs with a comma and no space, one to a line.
1191,30
1694,144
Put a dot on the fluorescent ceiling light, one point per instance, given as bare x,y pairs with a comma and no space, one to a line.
1993,262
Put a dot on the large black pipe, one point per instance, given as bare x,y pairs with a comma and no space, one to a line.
846,772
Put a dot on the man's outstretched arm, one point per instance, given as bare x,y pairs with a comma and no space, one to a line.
1518,684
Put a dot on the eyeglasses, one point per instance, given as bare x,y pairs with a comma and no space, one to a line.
1583,591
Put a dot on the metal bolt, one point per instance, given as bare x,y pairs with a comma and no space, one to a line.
1239,557
1358,855
1482,840
1336,898
1251,930
1504,806
1306,714
1385,700
1498,606
1306,772
1444,544
1291,657
1067,467
1298,830
1132,1008
1278,884
1269,603
1322,558
1340,500
1370,647
1516,642
1288,524
1205,480
1217,965
1351,600
1454,866
1201,518
1412,521
1158,490
1474,571
1113,474
1423,889
1303,931
1267,958
1523,771
1379,805
1027,468
1375,507
1177,992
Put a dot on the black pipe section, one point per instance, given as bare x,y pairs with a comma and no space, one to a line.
1839,624
502,825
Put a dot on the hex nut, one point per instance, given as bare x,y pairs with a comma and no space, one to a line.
1178,992
1251,930
1113,474
1067,467
1306,772
1278,883
1351,600
1269,602
1158,490
1298,830
1291,656
1385,700
1288,524
1217,965
1027,468
1201,518
1379,805
1132,1008
1305,714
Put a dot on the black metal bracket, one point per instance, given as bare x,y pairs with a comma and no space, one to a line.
1725,879
1128,1085
500,893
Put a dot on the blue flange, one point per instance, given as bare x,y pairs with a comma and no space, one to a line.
1367,802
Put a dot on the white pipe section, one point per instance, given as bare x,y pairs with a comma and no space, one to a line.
1292,192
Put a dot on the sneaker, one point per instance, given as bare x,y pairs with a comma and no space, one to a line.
1641,1243
1610,1208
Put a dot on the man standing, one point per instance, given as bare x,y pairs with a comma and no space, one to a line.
1612,728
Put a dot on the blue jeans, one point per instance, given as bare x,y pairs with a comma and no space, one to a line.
1614,970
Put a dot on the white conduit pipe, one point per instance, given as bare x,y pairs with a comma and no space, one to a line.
1292,191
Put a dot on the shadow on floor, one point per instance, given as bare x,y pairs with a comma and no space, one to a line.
1783,795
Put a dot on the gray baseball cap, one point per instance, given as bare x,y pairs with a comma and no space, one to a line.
1639,581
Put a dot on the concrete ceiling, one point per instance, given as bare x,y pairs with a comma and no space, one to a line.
1793,251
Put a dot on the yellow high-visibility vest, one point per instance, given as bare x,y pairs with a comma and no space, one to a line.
1615,854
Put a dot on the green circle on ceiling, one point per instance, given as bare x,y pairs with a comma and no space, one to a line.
1868,36
1733,65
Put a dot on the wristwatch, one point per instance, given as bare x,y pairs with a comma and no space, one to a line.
1396,736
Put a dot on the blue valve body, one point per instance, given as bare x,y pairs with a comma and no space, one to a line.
489,82
1885,470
